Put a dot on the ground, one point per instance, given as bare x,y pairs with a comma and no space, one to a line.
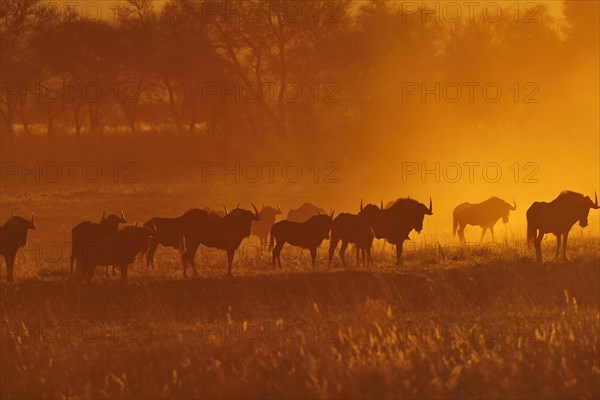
474,321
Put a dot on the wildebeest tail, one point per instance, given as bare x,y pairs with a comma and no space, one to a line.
454,224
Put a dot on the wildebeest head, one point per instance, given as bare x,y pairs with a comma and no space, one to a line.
268,212
14,234
31,224
122,246
243,213
322,224
113,219
411,213
584,206
20,223
424,210
370,212
243,218
504,208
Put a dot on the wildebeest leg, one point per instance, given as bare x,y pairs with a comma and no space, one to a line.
558,235
192,260
537,242
189,256
88,275
152,246
230,254
10,265
461,233
332,245
399,253
342,253
492,232
277,253
369,258
483,233
360,253
313,255
565,246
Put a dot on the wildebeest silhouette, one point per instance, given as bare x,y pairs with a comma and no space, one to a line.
356,229
304,212
307,235
13,236
397,221
484,214
170,230
225,233
87,231
558,217
119,248
262,227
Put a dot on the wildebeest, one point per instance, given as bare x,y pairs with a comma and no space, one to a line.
170,230
484,214
352,228
262,227
87,231
397,221
119,248
13,236
558,217
304,212
307,235
224,233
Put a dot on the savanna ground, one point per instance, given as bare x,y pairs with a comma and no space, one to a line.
478,321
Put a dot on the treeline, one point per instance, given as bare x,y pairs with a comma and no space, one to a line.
261,71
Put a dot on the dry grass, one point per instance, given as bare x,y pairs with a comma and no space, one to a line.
470,322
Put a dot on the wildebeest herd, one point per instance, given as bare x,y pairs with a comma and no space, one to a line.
105,244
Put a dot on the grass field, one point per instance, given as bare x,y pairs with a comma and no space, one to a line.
472,321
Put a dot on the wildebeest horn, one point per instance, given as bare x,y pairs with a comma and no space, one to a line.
225,208
31,218
332,212
238,206
381,204
514,207
255,210
122,215
595,206
361,207
103,215
430,207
